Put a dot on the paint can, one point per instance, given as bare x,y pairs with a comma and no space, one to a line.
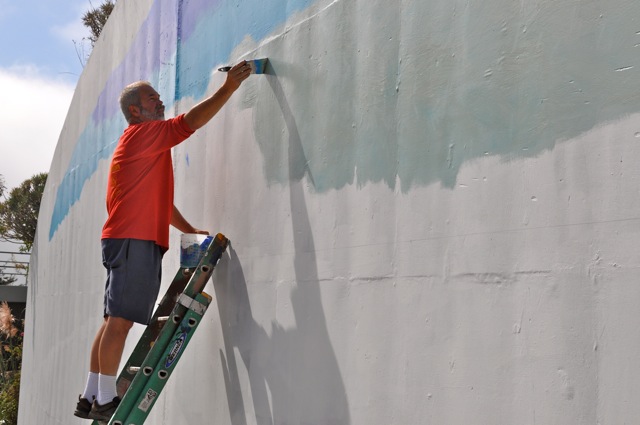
192,249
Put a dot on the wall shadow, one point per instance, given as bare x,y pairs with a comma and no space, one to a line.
293,373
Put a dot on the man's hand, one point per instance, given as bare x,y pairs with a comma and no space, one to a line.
180,223
201,113
237,75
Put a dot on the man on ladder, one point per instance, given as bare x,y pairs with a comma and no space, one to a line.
136,234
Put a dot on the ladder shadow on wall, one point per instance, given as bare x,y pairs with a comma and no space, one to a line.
293,372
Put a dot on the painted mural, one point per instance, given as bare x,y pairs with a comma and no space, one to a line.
500,109
432,206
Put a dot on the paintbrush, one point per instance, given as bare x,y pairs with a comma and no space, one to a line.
257,66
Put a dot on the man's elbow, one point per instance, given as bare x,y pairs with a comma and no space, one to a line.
193,122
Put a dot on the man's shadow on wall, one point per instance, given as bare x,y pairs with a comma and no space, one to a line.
293,373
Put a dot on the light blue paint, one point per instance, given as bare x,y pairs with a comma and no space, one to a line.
219,30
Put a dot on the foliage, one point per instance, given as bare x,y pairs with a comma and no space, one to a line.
6,279
19,212
9,399
10,365
96,18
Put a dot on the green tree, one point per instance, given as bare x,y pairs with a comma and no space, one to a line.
19,212
10,354
96,17
4,279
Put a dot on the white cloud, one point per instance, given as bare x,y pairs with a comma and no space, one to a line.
74,31
71,31
32,113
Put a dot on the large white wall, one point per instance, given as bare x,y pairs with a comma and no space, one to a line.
433,207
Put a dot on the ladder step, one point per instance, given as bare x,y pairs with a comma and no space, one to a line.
175,318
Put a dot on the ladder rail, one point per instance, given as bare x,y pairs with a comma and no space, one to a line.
186,309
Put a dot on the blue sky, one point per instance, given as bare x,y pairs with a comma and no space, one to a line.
42,49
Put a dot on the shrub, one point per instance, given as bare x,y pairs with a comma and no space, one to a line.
9,399
10,364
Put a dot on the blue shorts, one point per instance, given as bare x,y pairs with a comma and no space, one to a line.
134,270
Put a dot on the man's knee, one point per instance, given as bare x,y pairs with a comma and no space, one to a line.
118,324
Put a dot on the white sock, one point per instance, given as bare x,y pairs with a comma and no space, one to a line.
106,389
91,390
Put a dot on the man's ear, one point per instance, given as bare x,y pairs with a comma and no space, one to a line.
134,111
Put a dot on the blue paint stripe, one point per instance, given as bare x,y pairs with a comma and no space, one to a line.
206,34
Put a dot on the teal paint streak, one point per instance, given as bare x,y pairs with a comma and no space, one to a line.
498,79
413,93
84,162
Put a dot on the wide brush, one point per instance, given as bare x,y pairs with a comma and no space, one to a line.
257,66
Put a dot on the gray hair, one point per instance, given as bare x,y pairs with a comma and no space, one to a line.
130,96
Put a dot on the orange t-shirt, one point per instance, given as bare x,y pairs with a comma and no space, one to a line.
140,187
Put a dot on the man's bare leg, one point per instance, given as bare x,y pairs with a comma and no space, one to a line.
91,388
94,362
114,335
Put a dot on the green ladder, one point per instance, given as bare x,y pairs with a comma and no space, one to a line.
161,345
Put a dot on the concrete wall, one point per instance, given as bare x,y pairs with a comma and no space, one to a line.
433,208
